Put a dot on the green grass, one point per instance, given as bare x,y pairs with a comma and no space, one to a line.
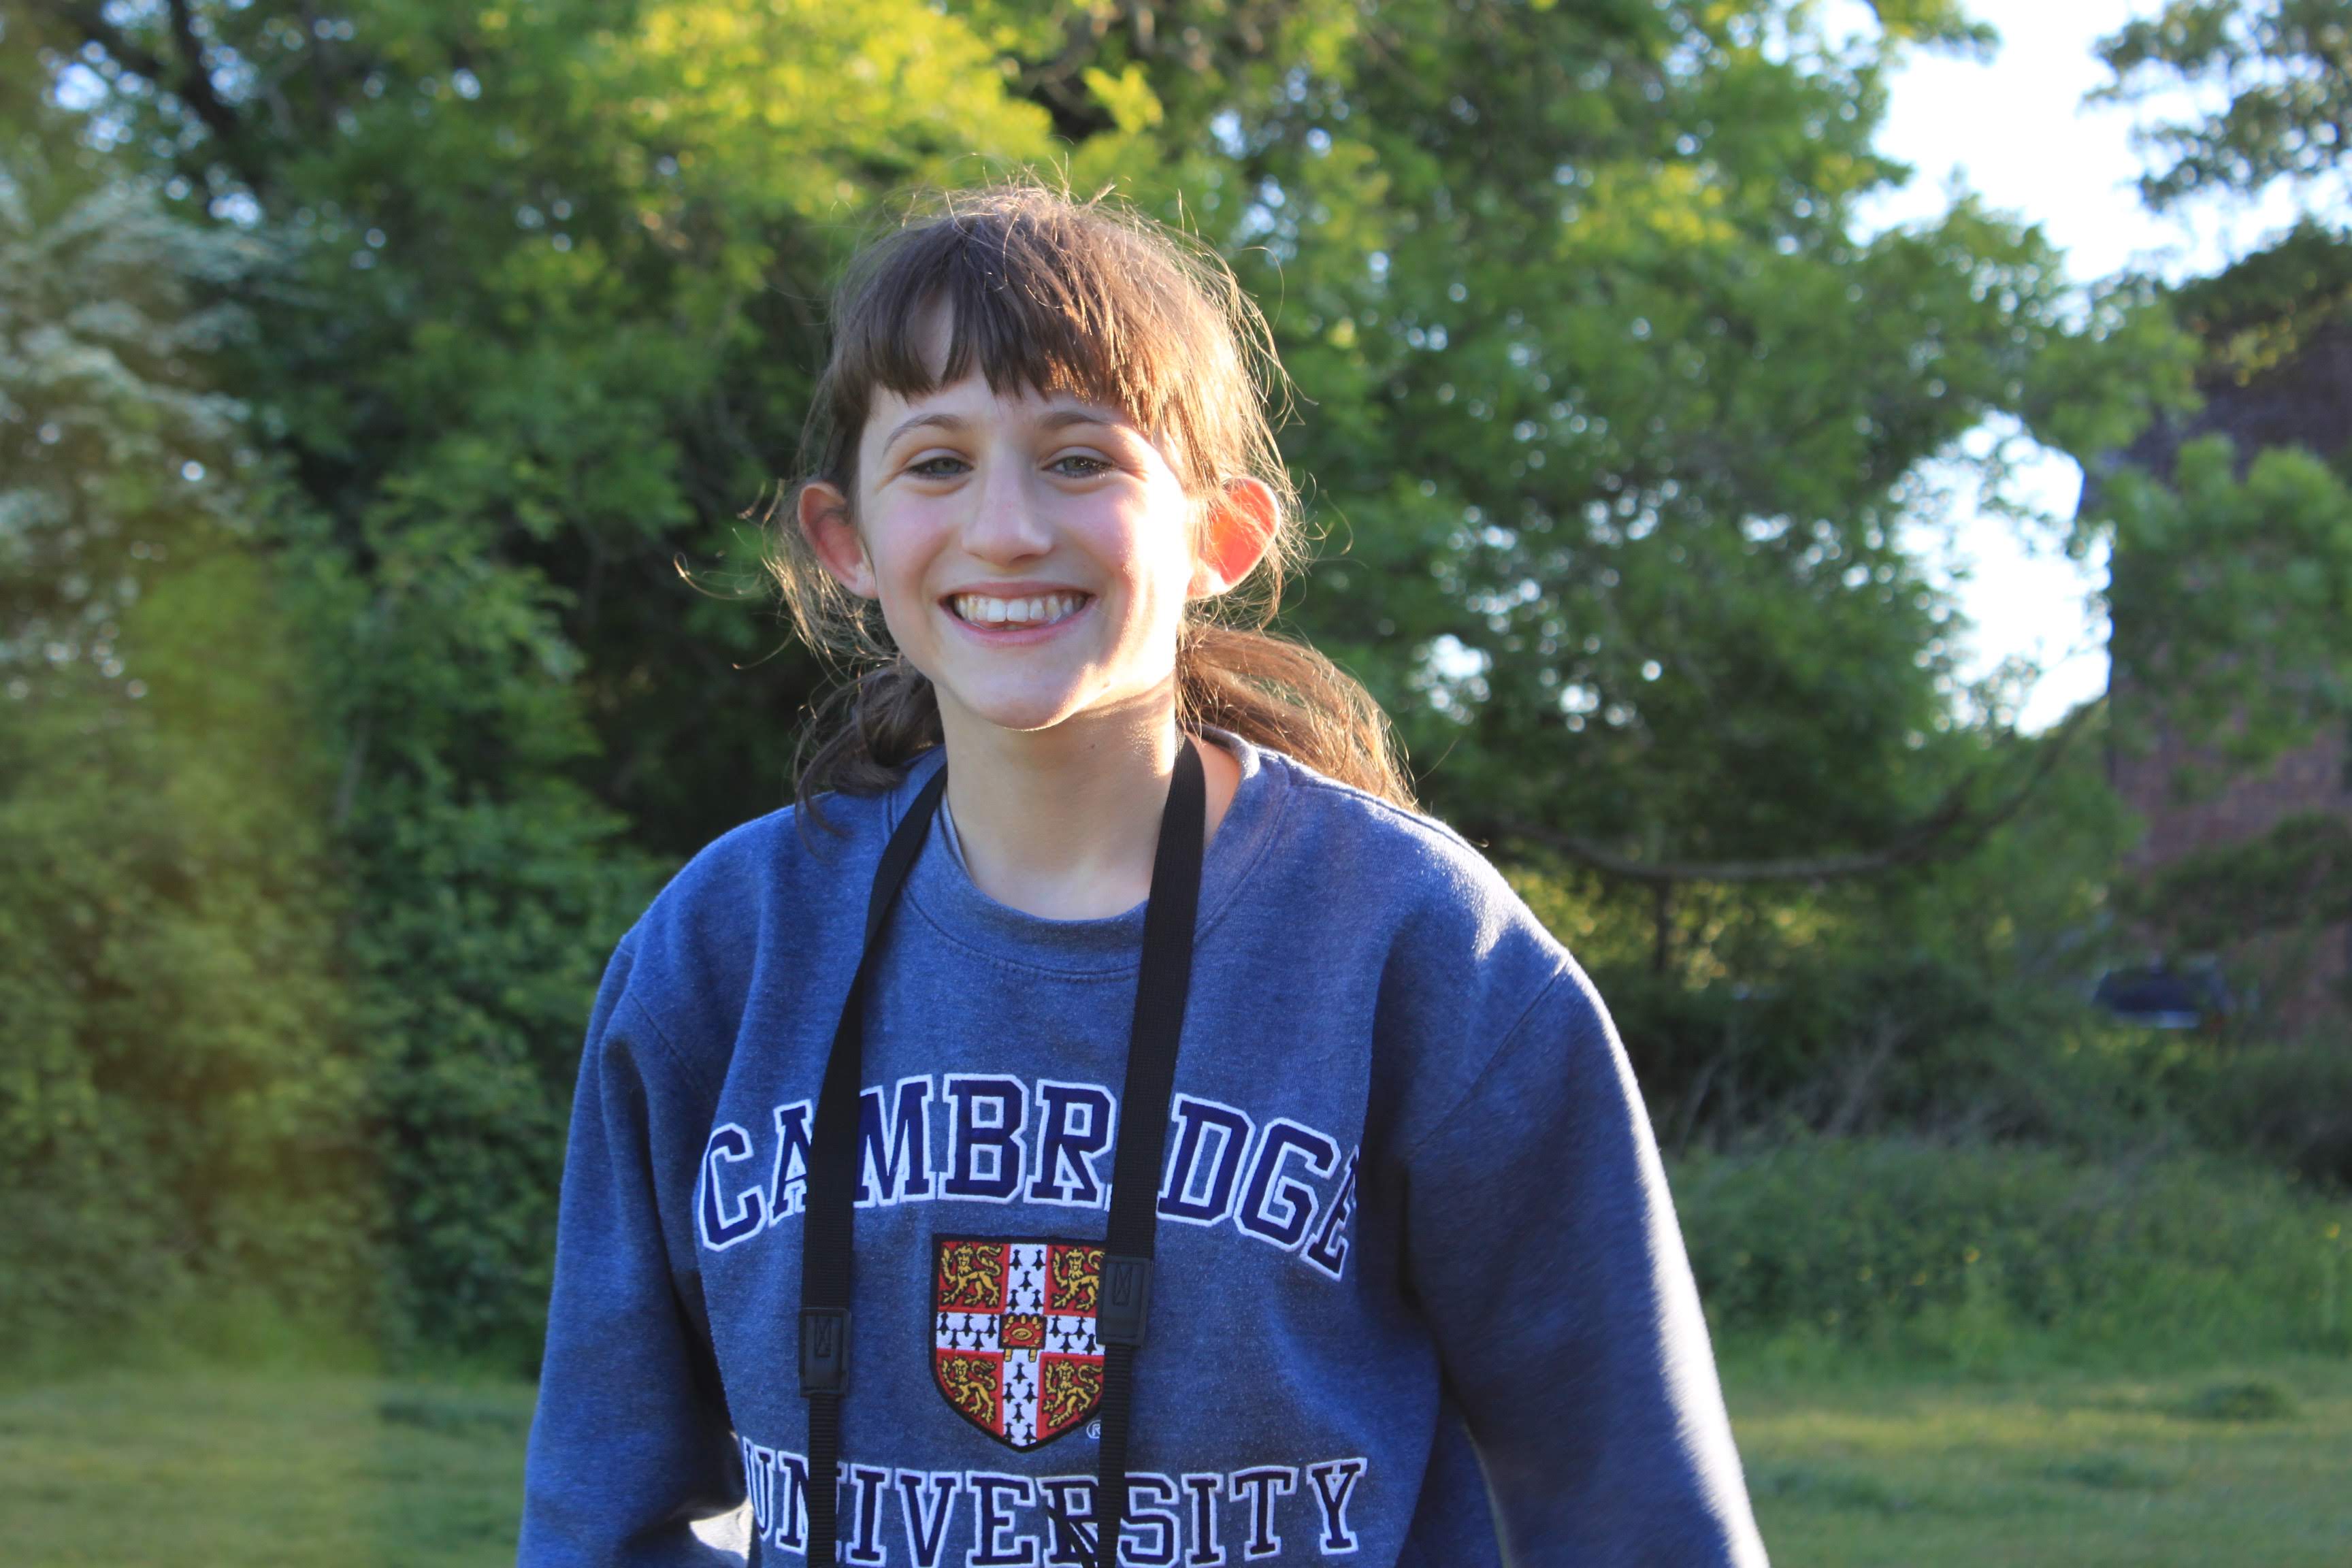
270,1470
2248,1466
1850,1465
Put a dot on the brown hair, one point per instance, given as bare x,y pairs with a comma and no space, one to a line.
1049,293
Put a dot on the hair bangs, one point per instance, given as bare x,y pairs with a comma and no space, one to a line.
1032,297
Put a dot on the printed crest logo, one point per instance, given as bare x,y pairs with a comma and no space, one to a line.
1012,1335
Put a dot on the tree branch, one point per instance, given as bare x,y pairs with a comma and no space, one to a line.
1951,830
190,82
196,80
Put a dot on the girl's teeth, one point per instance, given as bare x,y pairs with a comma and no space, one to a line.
983,610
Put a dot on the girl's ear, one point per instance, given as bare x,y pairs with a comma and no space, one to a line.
1234,536
824,518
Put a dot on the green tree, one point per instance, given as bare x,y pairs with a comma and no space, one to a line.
1617,421
179,1103
2281,72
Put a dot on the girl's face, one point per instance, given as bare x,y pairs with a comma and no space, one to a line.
1032,553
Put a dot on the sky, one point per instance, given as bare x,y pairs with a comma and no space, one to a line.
2014,130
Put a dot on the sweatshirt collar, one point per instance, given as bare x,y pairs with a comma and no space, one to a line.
942,892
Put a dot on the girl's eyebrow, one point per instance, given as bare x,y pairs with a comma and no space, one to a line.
1062,417
942,421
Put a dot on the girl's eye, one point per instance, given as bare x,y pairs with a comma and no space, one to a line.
939,468
1088,467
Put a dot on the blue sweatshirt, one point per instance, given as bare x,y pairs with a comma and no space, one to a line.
1419,1286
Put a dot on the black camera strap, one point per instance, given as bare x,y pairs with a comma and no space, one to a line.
1124,1301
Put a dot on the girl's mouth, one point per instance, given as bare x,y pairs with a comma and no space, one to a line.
1025,614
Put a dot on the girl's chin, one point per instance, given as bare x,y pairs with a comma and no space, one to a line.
1023,713
1037,710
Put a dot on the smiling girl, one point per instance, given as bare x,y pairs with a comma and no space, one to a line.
1101,1121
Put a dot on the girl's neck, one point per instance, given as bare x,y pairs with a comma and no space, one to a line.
1064,823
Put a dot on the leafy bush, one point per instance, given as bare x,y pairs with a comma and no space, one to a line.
2290,1103
179,1106
1966,1250
1845,1046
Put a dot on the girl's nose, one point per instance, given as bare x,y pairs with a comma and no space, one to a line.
1004,526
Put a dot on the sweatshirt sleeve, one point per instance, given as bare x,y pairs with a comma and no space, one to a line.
631,1442
1543,1249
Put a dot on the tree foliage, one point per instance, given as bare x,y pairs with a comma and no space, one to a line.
2234,593
2282,72
178,1100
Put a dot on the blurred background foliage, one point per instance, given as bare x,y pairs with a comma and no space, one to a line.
389,394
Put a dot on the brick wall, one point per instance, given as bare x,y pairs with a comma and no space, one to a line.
2312,779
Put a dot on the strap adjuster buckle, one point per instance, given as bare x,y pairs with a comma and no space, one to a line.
1125,1306
825,1349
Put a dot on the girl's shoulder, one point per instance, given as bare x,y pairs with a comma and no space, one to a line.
765,904
1344,810
1462,971
1382,857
